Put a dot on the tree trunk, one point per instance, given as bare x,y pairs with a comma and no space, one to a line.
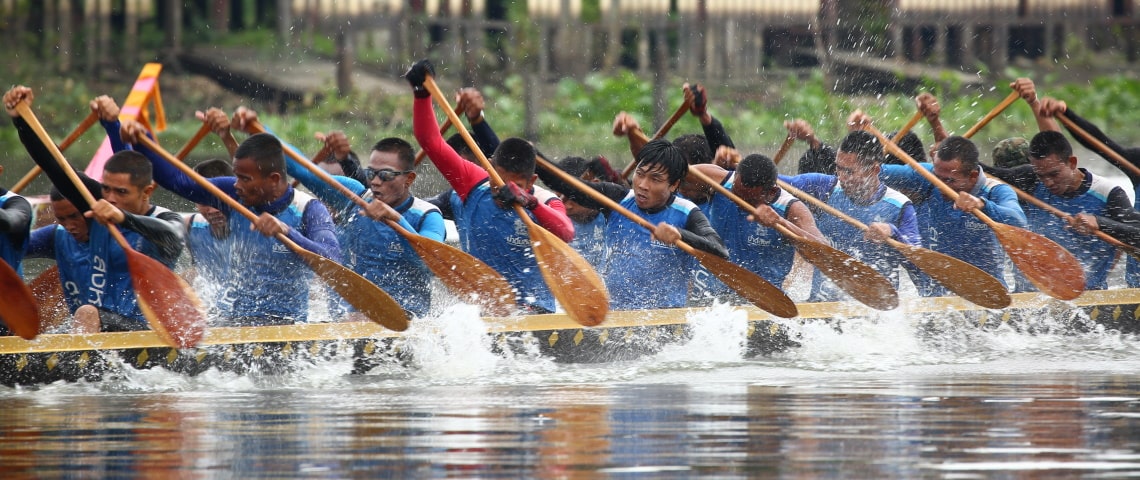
285,22
344,60
66,36
131,31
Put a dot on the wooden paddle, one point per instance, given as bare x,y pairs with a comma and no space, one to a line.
1050,267
87,122
169,304
858,279
466,276
1009,99
442,130
784,147
367,298
962,278
748,284
1103,149
909,125
571,279
660,133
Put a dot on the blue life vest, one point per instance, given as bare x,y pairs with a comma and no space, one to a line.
267,279
211,257
759,249
642,272
109,286
500,239
74,262
590,240
1095,255
887,209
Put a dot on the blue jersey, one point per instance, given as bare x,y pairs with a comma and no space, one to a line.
953,232
500,239
887,206
71,257
109,286
642,272
9,252
759,249
590,240
211,257
1095,255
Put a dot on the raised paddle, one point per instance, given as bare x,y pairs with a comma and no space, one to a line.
1009,99
466,276
748,284
909,125
858,279
169,305
442,130
784,147
1050,267
1103,149
660,133
18,308
87,122
571,279
962,278
367,298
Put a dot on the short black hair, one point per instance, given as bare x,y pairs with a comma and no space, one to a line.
909,143
265,150
515,155
457,143
403,150
865,147
91,184
575,166
214,167
1050,143
695,148
132,163
664,154
756,170
959,148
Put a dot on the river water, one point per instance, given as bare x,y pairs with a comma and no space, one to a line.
889,397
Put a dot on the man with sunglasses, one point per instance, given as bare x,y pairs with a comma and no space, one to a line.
369,246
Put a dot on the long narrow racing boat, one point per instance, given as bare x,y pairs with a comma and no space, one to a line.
624,336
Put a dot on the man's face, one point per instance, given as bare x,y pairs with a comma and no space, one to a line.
117,190
695,190
651,187
953,175
857,180
254,188
1057,174
212,215
398,187
756,195
70,219
577,212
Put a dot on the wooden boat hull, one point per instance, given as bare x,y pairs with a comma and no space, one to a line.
624,336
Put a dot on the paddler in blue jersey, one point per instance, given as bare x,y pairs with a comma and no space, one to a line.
108,297
947,226
750,235
489,228
855,190
268,283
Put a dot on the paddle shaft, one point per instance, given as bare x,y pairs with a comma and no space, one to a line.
721,189
1009,99
909,125
820,204
1037,202
87,122
1109,153
198,136
442,129
784,147
660,133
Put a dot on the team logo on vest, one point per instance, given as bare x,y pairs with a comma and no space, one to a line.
521,237
98,280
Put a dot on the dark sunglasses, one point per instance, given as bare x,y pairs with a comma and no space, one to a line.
385,174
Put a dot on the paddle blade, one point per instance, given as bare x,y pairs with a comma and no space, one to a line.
962,278
48,292
18,307
749,285
1051,268
858,279
466,276
170,306
570,277
364,296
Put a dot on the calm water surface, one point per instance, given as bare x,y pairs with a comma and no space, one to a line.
888,398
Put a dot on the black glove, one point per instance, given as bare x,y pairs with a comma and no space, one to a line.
417,74
510,193
700,101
